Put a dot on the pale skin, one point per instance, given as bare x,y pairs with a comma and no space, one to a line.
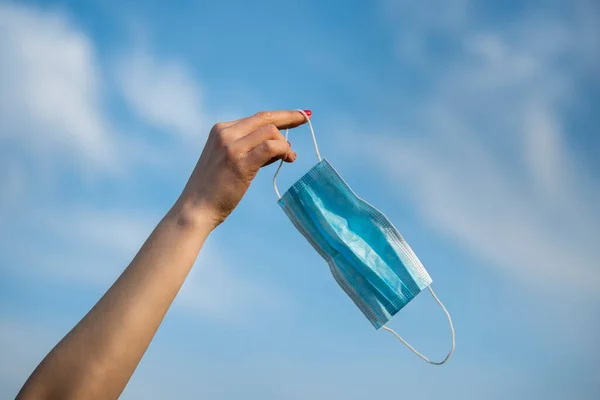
97,358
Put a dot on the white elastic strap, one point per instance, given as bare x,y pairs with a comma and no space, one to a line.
413,349
312,132
277,171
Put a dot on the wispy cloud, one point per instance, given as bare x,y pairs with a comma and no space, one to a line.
51,104
50,98
162,93
53,97
487,161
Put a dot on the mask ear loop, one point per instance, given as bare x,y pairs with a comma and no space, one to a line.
312,132
413,349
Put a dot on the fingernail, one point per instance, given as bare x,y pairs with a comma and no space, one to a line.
308,112
289,144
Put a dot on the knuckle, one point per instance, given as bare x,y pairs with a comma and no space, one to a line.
218,127
269,147
273,130
265,115
222,137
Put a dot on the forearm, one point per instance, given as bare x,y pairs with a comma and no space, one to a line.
97,358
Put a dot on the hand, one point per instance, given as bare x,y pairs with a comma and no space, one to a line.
232,156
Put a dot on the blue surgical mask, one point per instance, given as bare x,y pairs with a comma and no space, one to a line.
367,256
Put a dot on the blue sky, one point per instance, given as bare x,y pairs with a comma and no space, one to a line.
470,124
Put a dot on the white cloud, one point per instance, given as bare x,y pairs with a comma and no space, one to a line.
49,85
543,147
163,93
51,106
52,97
491,167
439,15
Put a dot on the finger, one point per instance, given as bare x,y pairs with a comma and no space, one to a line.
289,157
268,152
287,160
253,139
283,119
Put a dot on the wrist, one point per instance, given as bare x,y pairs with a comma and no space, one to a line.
194,216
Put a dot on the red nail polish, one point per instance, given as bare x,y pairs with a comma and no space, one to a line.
308,112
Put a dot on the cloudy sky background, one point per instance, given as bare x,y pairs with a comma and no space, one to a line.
472,125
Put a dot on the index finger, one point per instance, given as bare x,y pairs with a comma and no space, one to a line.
282,119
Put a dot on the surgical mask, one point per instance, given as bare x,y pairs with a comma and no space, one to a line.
367,256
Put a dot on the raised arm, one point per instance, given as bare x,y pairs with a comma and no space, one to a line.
97,358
